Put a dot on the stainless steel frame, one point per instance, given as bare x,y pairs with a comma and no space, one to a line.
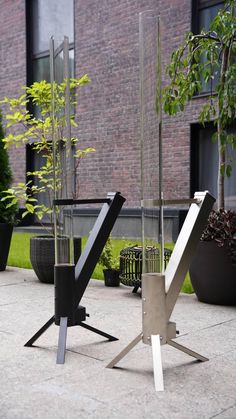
160,291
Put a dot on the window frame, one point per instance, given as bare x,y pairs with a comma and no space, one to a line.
195,129
30,56
30,59
197,6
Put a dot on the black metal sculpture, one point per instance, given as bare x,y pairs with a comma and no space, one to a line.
71,281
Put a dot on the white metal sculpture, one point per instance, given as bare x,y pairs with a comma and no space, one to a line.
160,291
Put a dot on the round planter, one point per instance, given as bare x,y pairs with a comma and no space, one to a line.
42,256
111,277
213,274
5,240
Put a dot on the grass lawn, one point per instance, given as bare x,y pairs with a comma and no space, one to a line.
19,250
19,255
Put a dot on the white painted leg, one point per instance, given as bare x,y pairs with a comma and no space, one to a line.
157,364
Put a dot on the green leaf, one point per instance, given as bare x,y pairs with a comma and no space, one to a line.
30,208
228,170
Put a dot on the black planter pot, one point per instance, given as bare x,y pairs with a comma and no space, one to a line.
111,277
5,240
42,255
213,274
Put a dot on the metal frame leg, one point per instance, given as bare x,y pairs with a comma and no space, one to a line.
125,351
61,349
187,351
157,364
40,332
99,332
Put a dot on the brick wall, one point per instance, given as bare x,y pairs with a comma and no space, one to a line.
107,48
106,39
13,65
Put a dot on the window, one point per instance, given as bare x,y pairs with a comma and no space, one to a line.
204,163
44,20
203,12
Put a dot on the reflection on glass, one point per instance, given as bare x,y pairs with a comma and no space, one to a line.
205,18
207,15
152,231
51,18
59,66
41,69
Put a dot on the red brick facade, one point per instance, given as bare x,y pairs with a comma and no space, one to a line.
13,65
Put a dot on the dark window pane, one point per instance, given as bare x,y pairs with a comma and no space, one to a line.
59,66
41,69
51,18
208,161
207,167
207,15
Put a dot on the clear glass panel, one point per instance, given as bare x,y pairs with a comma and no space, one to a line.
64,237
51,18
62,145
41,67
41,71
59,66
150,80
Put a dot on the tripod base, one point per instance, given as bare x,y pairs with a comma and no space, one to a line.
61,349
40,332
156,354
63,326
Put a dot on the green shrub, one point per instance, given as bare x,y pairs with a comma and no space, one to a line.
7,215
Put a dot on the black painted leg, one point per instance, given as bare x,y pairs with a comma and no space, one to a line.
61,349
99,332
40,332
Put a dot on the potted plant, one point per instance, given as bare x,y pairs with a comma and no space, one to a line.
205,57
37,130
111,265
213,269
7,215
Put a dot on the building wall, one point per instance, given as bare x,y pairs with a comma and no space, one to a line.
13,65
107,48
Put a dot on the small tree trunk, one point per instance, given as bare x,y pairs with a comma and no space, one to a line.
220,178
221,144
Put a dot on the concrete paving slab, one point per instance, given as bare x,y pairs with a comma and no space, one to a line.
33,386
